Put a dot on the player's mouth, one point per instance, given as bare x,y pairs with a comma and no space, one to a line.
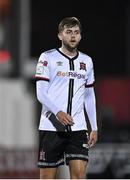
72,41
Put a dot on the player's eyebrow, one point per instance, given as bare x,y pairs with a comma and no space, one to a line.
76,30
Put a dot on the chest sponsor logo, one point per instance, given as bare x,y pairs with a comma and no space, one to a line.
71,74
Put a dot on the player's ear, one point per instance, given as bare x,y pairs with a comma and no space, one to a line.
80,36
59,36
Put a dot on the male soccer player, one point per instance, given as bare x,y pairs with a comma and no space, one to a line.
65,79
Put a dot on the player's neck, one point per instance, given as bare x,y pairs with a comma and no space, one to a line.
67,52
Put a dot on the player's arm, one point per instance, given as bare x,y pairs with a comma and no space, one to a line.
42,76
90,106
44,98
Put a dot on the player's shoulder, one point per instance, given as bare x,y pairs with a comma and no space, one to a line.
46,55
85,56
49,52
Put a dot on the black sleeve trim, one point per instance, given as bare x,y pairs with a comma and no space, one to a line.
41,78
89,85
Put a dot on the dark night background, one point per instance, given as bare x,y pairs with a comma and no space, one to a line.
103,36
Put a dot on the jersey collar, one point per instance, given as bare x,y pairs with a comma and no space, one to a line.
73,58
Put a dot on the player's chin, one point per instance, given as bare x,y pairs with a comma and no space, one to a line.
73,45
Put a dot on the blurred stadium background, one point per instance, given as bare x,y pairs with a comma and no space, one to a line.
28,27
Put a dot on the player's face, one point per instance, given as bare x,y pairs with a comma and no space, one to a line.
70,37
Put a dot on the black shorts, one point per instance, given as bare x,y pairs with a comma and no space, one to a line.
57,148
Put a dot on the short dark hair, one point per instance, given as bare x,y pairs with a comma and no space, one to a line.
69,22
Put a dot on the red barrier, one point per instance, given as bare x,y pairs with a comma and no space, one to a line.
115,93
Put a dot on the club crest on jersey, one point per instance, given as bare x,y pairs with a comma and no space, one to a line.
82,66
59,63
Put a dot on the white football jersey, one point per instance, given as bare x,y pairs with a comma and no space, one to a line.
67,78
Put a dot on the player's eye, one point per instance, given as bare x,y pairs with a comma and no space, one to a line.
77,32
71,32
68,32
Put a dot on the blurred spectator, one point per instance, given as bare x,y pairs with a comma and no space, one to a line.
5,55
